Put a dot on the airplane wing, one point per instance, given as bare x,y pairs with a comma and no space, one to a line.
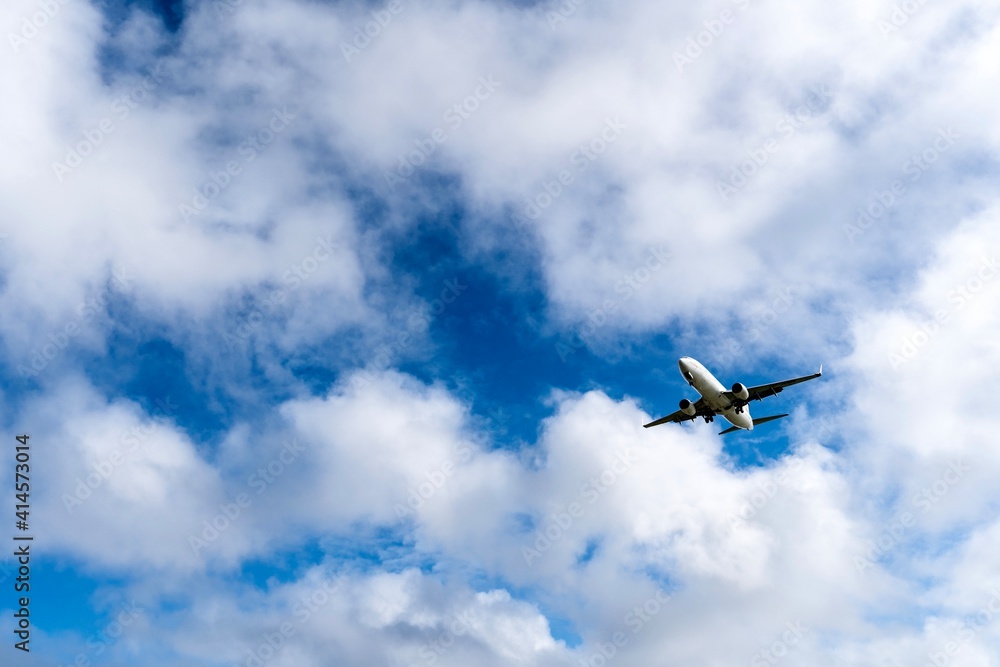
701,409
772,388
756,420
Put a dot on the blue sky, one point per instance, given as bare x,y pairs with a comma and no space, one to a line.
335,326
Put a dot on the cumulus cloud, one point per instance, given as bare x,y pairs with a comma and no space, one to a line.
129,490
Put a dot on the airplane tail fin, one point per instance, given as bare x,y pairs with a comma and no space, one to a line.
756,421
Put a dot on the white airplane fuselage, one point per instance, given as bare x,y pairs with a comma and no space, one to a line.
714,393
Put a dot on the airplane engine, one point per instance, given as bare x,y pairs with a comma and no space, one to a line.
740,391
687,407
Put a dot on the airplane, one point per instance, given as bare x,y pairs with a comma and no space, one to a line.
715,400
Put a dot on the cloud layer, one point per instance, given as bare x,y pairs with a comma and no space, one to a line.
768,185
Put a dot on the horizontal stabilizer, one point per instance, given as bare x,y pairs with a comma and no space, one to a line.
759,420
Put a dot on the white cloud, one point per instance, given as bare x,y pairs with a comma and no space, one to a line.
684,130
126,490
406,617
